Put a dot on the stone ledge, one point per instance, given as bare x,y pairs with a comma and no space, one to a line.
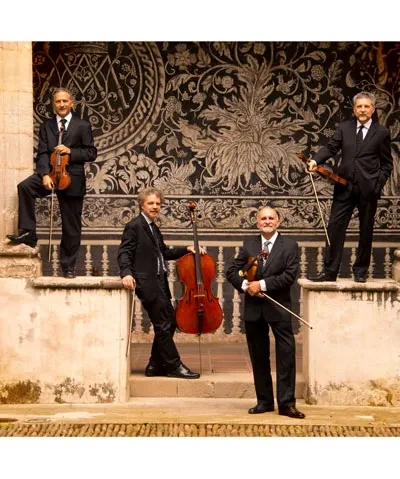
80,282
350,285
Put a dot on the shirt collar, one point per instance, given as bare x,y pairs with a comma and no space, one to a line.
145,217
271,240
365,125
68,118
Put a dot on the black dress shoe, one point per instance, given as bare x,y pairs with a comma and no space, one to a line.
259,408
291,411
324,276
360,278
152,371
25,237
69,274
184,372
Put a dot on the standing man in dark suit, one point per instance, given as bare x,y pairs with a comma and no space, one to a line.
366,164
275,276
77,142
141,258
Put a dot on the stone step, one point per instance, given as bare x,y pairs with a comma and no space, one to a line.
221,385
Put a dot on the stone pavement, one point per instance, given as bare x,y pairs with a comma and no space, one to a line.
193,417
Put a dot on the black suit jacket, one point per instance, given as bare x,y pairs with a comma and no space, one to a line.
279,273
138,253
79,138
371,166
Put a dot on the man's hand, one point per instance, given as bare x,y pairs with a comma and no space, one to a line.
47,182
129,282
191,249
62,150
253,288
311,166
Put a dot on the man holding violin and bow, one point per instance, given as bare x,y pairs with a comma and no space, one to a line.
74,150
274,265
366,166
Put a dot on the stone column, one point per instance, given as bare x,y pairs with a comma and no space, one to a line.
16,147
16,127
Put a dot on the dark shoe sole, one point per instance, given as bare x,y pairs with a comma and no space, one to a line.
293,416
155,374
254,410
32,244
194,376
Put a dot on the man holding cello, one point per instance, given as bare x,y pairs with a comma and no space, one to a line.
141,258
75,149
274,273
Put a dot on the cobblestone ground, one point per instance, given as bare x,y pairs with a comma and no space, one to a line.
192,430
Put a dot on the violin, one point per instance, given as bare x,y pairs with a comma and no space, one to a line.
325,172
250,269
59,175
198,311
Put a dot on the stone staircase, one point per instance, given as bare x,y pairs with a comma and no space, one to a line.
226,373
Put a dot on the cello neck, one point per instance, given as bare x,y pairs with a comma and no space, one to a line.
199,279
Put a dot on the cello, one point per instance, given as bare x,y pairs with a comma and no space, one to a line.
198,311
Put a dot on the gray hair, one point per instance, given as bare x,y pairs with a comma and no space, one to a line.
147,192
62,90
364,94
271,208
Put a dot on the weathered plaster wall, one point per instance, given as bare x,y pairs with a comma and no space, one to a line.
63,342
352,354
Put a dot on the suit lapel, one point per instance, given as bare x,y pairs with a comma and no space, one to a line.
54,127
71,127
147,229
370,134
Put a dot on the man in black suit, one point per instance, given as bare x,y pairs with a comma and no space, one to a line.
78,143
274,276
366,164
141,259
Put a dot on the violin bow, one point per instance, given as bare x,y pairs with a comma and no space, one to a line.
286,309
304,159
319,207
128,343
51,221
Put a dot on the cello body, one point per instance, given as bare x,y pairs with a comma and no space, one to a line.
198,311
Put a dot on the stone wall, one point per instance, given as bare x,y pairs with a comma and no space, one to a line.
352,354
63,341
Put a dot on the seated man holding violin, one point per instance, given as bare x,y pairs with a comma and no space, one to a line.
366,166
275,271
70,138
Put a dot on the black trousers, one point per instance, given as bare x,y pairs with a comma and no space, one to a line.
71,217
258,342
164,353
341,212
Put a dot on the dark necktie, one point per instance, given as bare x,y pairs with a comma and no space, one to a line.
63,121
359,137
266,245
160,259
